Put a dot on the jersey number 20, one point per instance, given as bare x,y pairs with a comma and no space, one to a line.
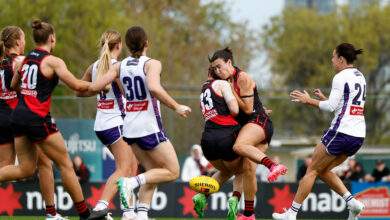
30,73
3,88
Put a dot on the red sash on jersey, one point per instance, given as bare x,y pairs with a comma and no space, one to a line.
137,106
105,104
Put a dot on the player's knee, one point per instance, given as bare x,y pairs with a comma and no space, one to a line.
248,166
175,173
27,171
237,149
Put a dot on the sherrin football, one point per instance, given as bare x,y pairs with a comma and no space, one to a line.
204,184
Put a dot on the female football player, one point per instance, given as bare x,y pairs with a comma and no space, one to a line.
257,130
345,135
11,48
31,120
139,76
109,122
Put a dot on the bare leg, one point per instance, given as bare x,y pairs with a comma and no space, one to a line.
250,136
27,155
321,160
7,154
249,180
54,147
46,178
331,179
164,157
124,163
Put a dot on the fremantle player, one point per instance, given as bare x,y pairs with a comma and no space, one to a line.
11,48
31,120
109,122
256,132
139,76
345,135
219,107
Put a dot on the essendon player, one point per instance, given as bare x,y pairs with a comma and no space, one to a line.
219,107
11,47
31,121
257,129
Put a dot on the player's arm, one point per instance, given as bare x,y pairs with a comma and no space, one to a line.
60,69
229,98
105,81
86,77
246,98
153,71
327,105
16,81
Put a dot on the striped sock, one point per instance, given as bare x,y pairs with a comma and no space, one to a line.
295,208
348,197
51,209
267,162
249,208
237,194
141,180
82,209
142,210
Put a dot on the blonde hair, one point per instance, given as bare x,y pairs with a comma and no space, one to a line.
9,36
107,42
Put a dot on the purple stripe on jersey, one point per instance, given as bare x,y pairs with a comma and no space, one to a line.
118,96
341,115
156,111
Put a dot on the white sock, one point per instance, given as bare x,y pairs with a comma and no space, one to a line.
294,208
137,181
348,197
129,212
142,211
101,205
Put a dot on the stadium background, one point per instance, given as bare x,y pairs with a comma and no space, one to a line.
298,44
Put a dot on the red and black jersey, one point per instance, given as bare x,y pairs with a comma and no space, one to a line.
37,90
8,98
214,107
258,109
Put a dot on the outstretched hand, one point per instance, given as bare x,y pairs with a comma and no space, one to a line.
320,95
183,110
298,96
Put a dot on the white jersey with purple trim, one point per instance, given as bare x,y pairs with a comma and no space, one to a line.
347,100
142,109
110,106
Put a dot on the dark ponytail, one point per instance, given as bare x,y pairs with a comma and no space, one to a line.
225,54
41,31
348,51
136,39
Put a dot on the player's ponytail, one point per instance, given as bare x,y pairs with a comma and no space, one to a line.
41,31
136,40
348,51
9,36
108,41
225,54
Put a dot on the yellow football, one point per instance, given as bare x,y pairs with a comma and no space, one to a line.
204,184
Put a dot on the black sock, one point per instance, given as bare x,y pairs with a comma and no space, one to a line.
82,209
249,208
267,162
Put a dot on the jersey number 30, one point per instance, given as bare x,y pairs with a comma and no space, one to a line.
135,88
206,102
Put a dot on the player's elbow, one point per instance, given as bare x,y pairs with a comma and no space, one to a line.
154,89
